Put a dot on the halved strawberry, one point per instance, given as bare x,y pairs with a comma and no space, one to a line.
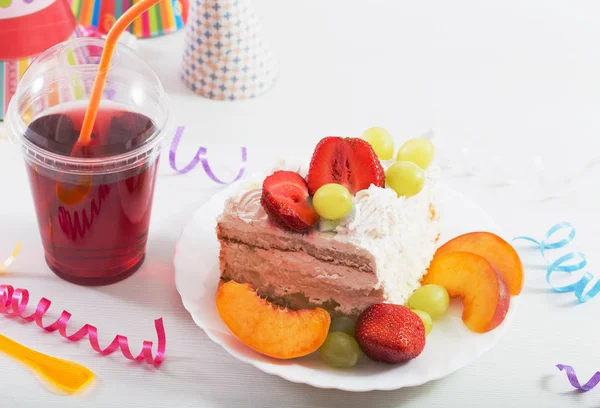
347,161
286,201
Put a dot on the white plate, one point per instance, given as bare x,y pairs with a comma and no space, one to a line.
450,346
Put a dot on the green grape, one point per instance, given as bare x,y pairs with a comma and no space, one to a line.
340,350
406,178
420,151
343,324
432,299
381,142
326,225
332,201
427,322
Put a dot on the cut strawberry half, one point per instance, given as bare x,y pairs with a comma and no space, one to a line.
350,162
286,201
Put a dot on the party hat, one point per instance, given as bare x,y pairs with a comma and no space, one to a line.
28,27
165,17
12,71
225,57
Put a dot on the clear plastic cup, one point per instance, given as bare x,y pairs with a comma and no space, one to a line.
93,202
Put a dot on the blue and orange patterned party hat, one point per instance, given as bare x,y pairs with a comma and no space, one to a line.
225,57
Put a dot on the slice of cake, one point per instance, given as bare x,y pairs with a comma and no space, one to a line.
273,239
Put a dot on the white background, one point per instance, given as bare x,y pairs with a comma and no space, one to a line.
517,82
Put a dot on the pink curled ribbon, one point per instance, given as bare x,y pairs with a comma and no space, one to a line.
575,381
201,157
14,301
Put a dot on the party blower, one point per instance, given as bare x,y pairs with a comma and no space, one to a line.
92,161
67,376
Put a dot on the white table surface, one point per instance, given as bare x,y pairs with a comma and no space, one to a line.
513,79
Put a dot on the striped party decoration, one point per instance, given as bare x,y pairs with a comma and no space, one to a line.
163,18
10,73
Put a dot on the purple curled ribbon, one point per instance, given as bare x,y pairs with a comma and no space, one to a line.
575,381
201,157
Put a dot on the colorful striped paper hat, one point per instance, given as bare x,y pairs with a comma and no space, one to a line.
163,18
12,71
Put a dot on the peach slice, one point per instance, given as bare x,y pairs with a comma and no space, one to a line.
496,250
471,277
269,329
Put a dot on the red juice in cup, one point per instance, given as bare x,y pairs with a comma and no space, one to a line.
94,229
94,201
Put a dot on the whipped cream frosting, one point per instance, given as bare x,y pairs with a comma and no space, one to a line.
249,208
400,232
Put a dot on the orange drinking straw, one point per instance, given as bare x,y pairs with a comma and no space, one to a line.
109,48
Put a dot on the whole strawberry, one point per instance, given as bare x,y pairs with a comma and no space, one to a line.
390,333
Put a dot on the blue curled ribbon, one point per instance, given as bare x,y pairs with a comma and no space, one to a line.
569,263
201,157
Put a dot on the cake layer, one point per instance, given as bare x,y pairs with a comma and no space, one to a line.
298,280
319,247
296,270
